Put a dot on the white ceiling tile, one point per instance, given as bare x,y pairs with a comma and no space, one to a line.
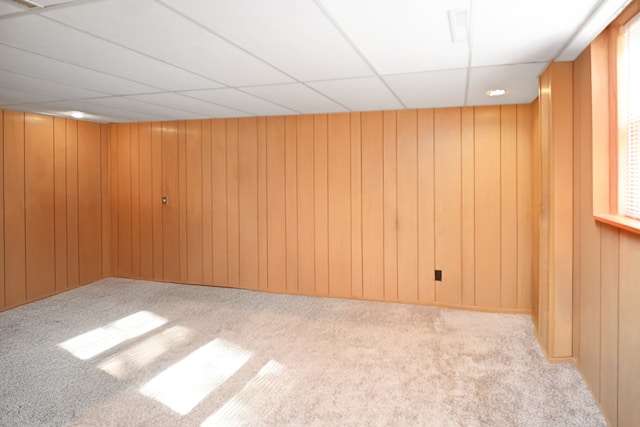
148,27
297,97
69,45
520,81
181,102
41,67
430,89
510,32
10,96
293,35
402,36
135,106
41,87
234,98
362,94
7,7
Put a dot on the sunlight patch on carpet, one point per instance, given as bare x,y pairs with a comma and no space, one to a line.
92,343
182,386
249,404
145,353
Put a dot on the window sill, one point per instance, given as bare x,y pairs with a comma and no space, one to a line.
619,221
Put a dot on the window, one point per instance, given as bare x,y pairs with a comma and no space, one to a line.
629,119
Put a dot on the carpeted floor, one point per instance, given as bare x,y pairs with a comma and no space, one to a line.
123,352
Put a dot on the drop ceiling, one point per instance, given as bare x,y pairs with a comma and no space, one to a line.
149,60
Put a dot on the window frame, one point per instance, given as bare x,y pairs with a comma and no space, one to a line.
606,197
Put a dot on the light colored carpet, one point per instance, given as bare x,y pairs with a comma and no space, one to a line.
125,352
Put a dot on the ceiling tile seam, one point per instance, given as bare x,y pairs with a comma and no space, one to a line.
134,51
326,96
53,81
253,55
180,110
226,40
39,94
470,32
82,66
209,102
39,10
422,72
267,100
351,43
185,93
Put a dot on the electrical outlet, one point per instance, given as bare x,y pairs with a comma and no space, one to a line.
438,275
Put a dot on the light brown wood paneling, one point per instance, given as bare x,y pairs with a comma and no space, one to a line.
89,203
60,189
113,195
194,201
291,200
39,206
125,244
2,302
219,188
145,171
170,210
426,207
407,146
105,201
73,240
562,209
509,205
276,207
135,198
157,192
629,341
182,202
372,207
248,199
207,205
448,204
487,200
321,204
350,205
52,207
390,199
262,204
536,178
291,208
14,210
339,188
524,208
609,259
468,207
306,203
356,205
588,263
233,232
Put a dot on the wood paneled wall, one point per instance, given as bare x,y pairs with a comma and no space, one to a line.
358,205
606,260
555,276
53,201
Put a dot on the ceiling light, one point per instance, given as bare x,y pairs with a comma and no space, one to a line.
77,114
458,25
496,92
